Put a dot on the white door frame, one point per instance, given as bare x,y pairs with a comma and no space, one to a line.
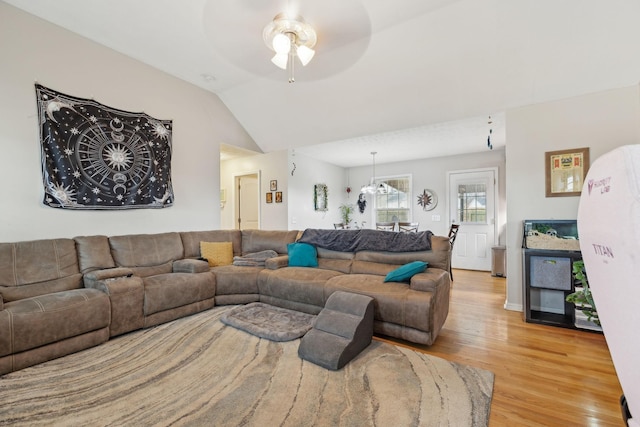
496,194
235,195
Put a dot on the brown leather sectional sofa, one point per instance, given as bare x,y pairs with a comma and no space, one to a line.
59,296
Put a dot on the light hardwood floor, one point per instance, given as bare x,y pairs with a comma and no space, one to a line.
544,375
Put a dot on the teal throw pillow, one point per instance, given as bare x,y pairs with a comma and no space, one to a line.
406,272
302,255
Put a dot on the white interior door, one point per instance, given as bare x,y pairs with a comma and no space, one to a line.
472,205
247,202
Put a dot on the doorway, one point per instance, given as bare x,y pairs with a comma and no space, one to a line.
247,201
472,205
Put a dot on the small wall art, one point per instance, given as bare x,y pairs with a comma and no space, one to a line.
320,197
428,199
565,171
273,185
269,197
278,196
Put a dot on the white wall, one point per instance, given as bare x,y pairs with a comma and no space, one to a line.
432,174
297,210
601,121
32,49
270,166
307,173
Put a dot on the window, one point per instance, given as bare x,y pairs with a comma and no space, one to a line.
394,203
472,203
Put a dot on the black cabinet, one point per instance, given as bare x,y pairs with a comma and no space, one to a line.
548,279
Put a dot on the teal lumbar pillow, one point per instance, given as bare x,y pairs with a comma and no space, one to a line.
302,255
406,272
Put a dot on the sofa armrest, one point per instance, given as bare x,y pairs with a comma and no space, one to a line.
438,282
126,295
430,280
277,262
190,266
108,280
92,278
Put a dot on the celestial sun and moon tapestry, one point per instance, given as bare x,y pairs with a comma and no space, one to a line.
98,157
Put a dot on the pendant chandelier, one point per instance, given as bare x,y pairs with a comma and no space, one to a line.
372,188
290,37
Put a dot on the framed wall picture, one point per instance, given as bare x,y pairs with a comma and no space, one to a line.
565,171
269,197
320,197
278,196
273,185
223,197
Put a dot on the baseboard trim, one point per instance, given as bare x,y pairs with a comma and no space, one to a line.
512,307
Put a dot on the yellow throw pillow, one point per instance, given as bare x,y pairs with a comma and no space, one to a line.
217,253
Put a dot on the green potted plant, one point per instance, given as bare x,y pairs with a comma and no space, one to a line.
346,212
582,297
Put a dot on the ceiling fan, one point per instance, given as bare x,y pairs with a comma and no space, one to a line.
235,30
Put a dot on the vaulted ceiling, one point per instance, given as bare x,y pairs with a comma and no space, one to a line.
408,78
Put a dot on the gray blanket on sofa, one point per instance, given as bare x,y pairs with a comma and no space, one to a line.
367,240
255,259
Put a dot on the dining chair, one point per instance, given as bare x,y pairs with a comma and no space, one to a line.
453,232
339,226
408,227
386,226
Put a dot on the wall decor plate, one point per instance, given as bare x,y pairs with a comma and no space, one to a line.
428,199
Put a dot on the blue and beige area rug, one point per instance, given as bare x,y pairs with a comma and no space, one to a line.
197,371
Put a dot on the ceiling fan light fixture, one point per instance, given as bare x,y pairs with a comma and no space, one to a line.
290,36
281,60
281,43
305,54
